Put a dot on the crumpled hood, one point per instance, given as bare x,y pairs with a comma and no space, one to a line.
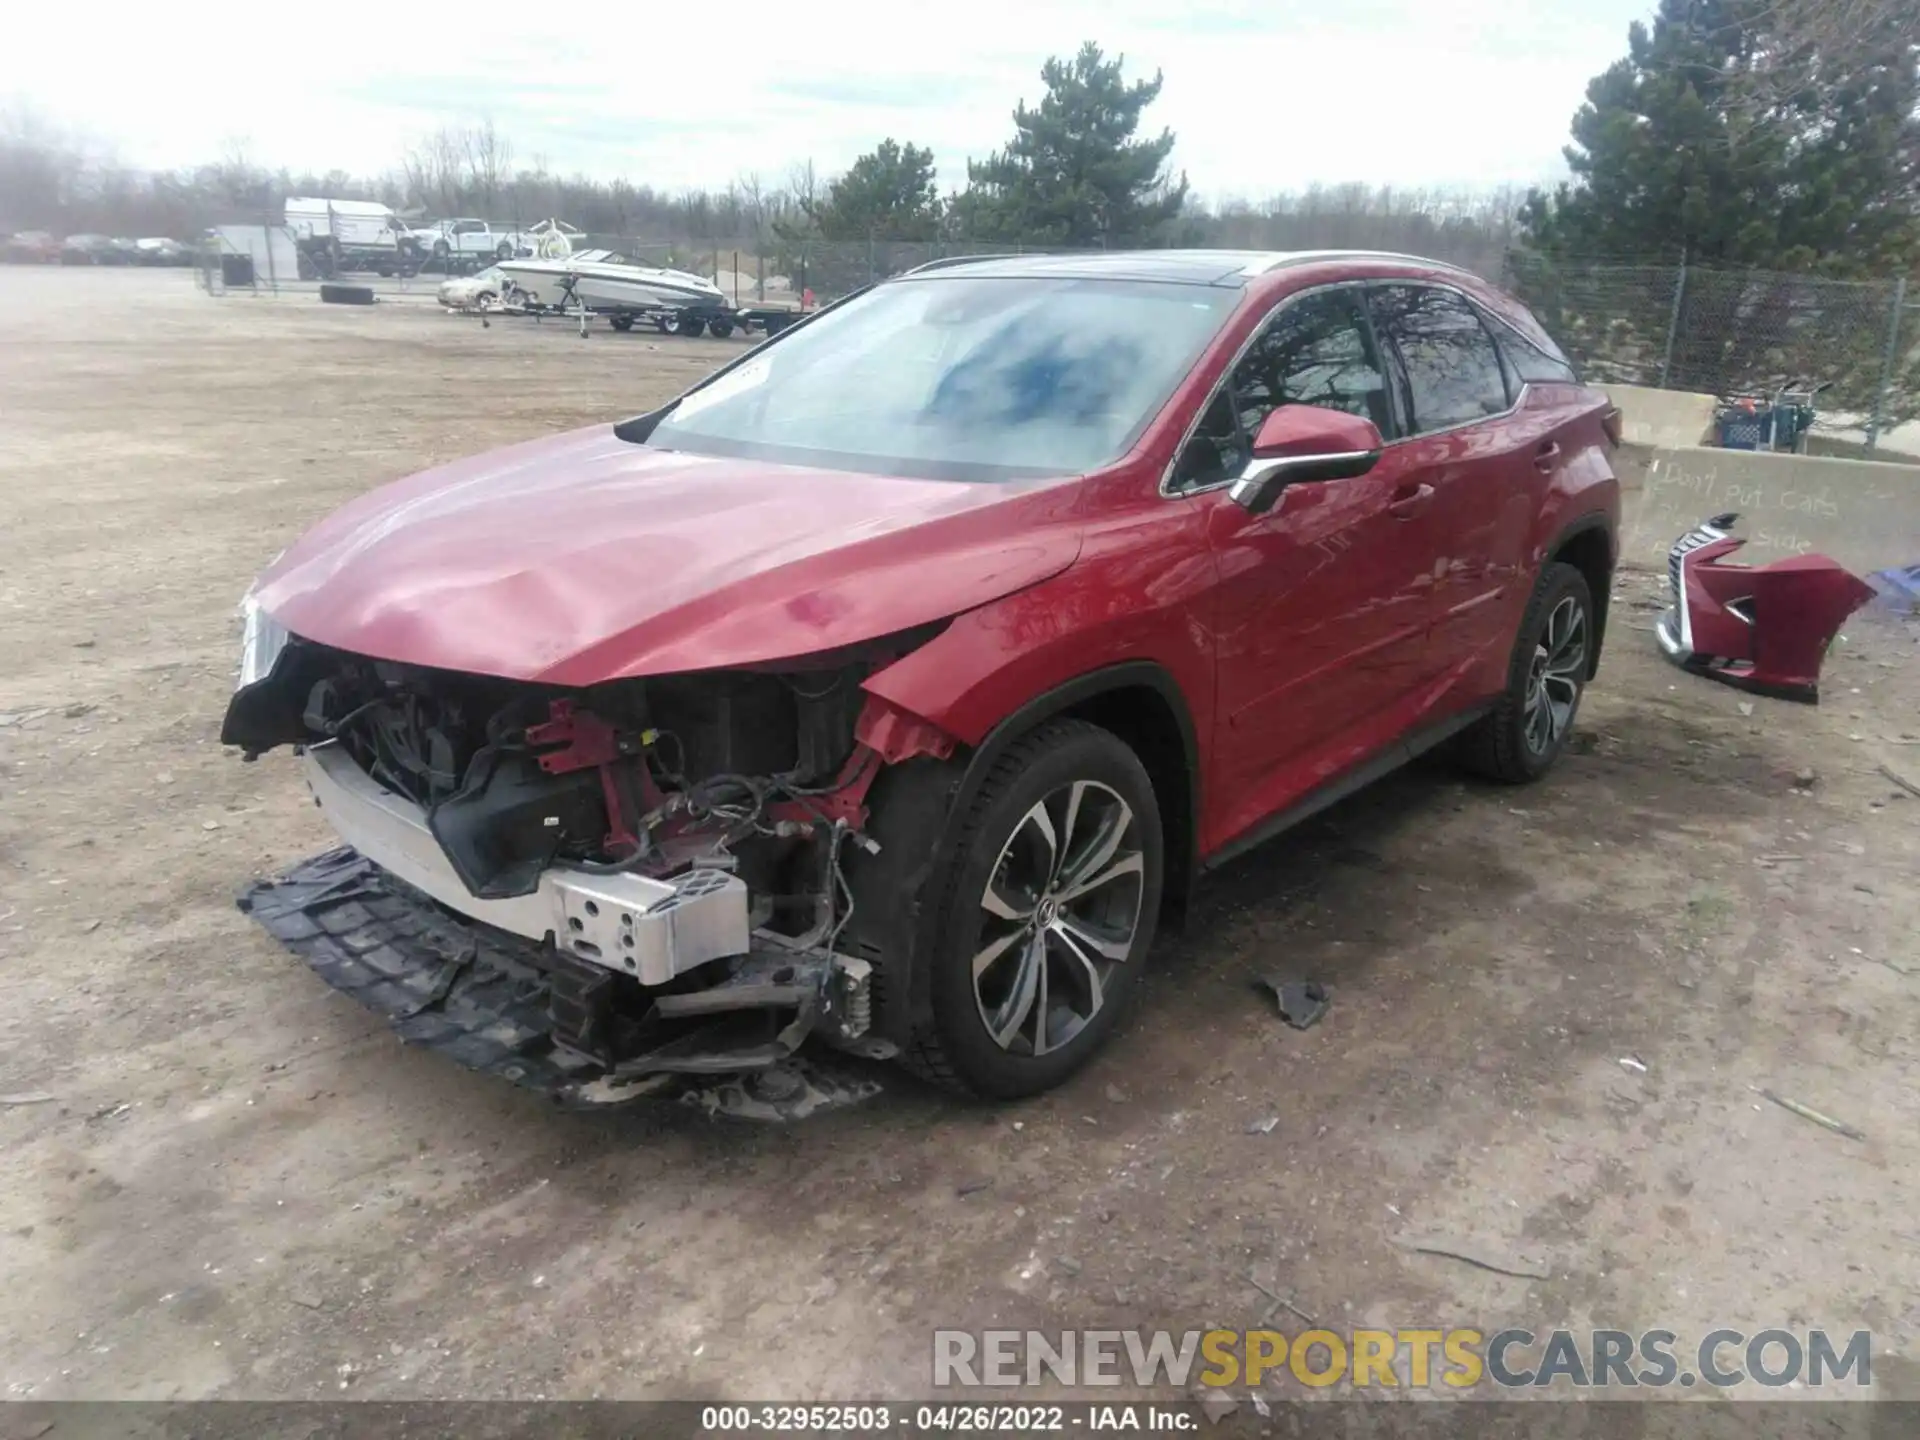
582,558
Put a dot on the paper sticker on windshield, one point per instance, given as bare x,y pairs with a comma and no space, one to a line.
736,382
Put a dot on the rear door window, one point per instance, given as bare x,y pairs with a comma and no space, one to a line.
1452,370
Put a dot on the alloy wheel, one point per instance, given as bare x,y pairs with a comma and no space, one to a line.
1558,671
1060,911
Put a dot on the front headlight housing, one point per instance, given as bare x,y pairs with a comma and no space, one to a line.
262,638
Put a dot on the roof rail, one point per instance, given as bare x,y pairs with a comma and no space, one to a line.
1308,257
945,261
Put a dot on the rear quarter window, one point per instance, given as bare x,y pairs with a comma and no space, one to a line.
1527,360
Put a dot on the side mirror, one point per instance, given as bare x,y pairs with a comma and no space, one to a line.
1300,443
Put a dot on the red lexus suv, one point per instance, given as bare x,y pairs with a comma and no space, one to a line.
891,684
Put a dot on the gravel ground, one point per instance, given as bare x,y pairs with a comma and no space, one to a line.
241,1186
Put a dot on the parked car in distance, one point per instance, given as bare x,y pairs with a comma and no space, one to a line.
32,247
160,250
473,292
889,684
89,249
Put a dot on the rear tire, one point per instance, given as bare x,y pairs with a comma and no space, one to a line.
1045,917
1520,738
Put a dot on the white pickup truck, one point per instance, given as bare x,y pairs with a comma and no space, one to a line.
478,240
467,239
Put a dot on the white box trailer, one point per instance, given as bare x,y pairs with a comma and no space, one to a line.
352,224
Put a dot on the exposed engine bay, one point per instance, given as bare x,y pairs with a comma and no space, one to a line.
653,776
663,857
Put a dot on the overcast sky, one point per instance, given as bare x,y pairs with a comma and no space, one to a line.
1264,97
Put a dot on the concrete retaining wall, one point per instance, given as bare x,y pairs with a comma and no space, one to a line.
1865,514
1662,417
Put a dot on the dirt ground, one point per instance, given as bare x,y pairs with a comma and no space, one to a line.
242,1186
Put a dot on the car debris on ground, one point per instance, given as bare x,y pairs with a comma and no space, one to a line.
1302,1003
1450,1252
1807,1112
1897,778
1763,628
1280,1302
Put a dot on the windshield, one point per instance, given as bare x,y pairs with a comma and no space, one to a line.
962,379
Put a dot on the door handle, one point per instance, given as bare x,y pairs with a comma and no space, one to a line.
1544,457
1409,501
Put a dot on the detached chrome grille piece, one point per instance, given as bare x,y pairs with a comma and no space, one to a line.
1706,533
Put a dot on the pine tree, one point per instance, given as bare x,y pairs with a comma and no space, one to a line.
1074,174
1670,156
889,192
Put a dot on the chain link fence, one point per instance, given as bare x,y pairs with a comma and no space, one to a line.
1735,333
1730,333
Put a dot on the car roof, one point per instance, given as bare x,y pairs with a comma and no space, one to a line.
1231,268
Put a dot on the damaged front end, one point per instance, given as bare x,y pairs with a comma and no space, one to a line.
590,892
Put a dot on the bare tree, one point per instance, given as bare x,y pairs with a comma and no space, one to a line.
40,169
621,195
755,203
806,189
1807,47
489,158
245,189
1801,60
434,169
56,181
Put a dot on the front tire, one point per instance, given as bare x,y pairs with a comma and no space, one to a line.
1047,914
1520,738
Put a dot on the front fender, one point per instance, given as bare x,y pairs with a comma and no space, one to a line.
1116,605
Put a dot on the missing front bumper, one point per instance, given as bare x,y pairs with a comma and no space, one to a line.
578,1033
628,923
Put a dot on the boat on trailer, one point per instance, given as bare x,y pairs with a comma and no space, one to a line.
606,282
